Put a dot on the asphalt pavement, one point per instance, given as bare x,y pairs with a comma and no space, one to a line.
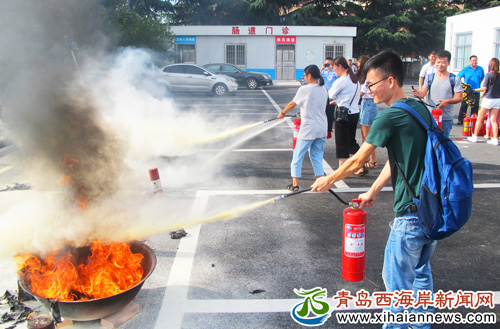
242,272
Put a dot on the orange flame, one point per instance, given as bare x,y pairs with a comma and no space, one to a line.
110,269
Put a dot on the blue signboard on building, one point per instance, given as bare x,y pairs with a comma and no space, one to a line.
185,39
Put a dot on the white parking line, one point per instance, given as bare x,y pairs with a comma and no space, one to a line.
4,169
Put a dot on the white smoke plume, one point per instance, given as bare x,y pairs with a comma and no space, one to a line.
89,124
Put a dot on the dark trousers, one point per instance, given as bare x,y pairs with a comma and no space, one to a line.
330,111
464,106
345,136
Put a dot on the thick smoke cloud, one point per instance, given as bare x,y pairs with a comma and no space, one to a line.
95,125
49,109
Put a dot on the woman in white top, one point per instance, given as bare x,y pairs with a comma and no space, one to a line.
345,92
312,99
490,103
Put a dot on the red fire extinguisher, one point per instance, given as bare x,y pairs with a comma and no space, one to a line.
472,124
466,128
154,176
353,246
482,132
437,113
296,129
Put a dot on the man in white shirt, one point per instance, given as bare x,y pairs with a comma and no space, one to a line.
427,69
352,66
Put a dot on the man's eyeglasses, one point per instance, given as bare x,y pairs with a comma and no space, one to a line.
369,86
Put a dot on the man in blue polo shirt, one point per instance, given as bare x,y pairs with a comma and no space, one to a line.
472,75
329,77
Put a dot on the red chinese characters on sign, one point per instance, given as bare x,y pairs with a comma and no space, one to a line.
285,30
287,39
251,30
269,30
343,297
236,30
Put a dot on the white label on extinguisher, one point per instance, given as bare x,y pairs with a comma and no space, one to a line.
354,240
157,186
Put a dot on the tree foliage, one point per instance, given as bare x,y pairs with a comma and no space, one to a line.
137,23
410,27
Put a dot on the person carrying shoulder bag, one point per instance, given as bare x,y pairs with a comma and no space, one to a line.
345,95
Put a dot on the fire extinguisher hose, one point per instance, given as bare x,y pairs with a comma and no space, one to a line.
338,198
283,196
286,116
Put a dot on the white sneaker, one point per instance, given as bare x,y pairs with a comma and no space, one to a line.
472,139
493,141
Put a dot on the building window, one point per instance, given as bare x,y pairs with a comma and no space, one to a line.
236,55
334,51
497,44
463,49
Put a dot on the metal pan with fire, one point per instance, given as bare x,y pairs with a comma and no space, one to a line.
87,283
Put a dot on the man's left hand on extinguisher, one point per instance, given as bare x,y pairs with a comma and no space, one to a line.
281,115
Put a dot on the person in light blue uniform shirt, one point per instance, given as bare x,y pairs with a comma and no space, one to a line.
329,76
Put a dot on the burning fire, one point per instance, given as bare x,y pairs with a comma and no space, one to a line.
110,270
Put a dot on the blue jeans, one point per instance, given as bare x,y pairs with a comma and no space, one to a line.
368,111
407,263
316,148
447,125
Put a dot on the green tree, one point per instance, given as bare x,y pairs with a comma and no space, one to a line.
137,23
470,5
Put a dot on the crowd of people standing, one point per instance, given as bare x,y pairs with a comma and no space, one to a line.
337,96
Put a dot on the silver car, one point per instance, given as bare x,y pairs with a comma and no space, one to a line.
191,77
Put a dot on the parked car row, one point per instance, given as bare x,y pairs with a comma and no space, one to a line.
217,78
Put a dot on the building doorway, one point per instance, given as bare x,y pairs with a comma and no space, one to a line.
186,54
285,62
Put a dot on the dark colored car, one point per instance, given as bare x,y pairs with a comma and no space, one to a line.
248,79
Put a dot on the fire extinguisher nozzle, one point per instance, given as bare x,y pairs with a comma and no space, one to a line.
283,196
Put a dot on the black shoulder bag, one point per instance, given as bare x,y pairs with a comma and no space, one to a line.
342,112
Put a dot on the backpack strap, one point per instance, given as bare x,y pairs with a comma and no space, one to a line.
410,110
452,82
430,78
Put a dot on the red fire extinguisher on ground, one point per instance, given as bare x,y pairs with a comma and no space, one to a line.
472,124
353,246
296,129
466,128
482,132
154,176
437,113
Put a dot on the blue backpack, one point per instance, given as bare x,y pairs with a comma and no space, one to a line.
445,200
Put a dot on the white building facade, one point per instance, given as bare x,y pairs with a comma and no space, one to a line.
475,33
280,51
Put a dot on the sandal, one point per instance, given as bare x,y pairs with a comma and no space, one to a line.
364,172
370,164
293,188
